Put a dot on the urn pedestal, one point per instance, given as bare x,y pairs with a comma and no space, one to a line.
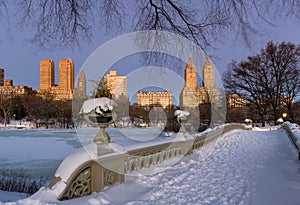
102,138
182,121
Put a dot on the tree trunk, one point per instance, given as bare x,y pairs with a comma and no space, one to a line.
290,112
5,118
263,120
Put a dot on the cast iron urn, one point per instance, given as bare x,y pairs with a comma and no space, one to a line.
98,112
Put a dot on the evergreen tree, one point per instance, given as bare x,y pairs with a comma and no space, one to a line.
102,90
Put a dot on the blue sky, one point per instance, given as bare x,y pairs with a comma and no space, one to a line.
21,59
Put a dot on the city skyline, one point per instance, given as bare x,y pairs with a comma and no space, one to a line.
65,88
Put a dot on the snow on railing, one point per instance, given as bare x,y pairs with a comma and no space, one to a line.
294,134
183,144
88,174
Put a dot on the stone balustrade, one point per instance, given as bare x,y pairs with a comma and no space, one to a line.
91,173
293,137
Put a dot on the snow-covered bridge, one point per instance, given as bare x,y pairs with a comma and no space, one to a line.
241,167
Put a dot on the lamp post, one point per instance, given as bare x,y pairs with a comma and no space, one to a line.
284,115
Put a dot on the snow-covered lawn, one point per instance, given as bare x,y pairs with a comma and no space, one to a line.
242,167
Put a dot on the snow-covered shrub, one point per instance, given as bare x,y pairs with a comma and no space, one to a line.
19,181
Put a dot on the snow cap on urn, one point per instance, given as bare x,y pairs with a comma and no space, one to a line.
98,105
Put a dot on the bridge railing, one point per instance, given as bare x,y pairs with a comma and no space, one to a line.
81,174
292,135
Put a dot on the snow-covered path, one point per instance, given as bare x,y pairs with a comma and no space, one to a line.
242,167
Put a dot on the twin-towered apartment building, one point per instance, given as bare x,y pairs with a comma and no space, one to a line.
65,88
193,95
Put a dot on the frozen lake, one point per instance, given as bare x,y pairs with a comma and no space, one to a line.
40,152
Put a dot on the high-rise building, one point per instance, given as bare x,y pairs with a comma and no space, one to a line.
66,75
193,95
80,91
208,75
209,81
82,84
116,84
64,91
1,77
188,97
46,75
65,88
190,75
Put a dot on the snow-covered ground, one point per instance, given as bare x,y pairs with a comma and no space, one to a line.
11,196
242,167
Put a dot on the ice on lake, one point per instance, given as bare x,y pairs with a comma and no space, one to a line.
40,152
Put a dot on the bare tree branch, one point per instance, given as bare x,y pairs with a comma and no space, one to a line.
69,23
112,13
59,23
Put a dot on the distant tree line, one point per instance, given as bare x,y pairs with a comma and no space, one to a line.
270,80
202,122
40,108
